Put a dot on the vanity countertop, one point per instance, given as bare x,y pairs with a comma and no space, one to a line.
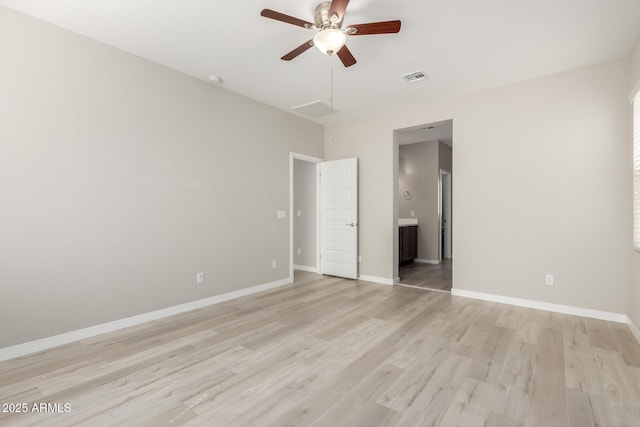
405,222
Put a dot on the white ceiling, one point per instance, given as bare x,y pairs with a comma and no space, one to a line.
440,131
461,45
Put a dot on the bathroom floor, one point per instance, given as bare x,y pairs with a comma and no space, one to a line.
428,276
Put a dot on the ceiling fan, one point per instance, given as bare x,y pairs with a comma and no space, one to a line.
329,38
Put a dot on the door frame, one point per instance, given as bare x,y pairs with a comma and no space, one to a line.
395,163
442,173
311,159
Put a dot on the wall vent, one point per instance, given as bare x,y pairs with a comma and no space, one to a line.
416,76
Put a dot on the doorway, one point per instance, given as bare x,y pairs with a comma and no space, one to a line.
323,216
424,210
304,224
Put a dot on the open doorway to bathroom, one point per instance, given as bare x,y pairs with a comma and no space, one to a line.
424,181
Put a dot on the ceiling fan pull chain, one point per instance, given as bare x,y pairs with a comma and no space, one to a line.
331,98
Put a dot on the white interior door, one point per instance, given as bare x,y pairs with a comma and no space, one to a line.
339,218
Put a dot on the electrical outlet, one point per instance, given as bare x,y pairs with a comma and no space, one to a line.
359,258
274,264
200,278
299,251
281,214
299,213
413,213
548,279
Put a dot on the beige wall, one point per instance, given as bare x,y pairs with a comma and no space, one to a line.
541,173
445,157
304,201
121,179
634,283
418,173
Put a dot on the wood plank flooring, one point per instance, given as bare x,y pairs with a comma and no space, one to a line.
331,352
429,276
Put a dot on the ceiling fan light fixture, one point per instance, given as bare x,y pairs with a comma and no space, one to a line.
329,40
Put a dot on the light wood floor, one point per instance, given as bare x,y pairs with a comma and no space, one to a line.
429,276
332,352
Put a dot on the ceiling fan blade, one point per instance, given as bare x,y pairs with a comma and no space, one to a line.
385,27
297,51
346,57
268,13
338,7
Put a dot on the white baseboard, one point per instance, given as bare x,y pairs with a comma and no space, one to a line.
305,268
80,334
374,279
558,308
396,280
634,330
426,261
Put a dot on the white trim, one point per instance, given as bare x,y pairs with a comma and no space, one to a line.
634,330
80,334
375,279
426,261
423,288
396,280
306,158
540,305
318,224
305,268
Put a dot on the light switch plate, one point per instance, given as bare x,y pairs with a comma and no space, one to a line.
282,214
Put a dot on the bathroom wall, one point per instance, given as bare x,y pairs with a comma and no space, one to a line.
445,157
418,170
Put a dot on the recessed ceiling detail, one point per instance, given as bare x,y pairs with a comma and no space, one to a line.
438,131
314,110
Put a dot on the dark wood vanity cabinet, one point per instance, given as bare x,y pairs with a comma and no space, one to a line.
408,243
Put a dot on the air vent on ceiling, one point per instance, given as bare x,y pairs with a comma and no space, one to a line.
414,77
314,110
